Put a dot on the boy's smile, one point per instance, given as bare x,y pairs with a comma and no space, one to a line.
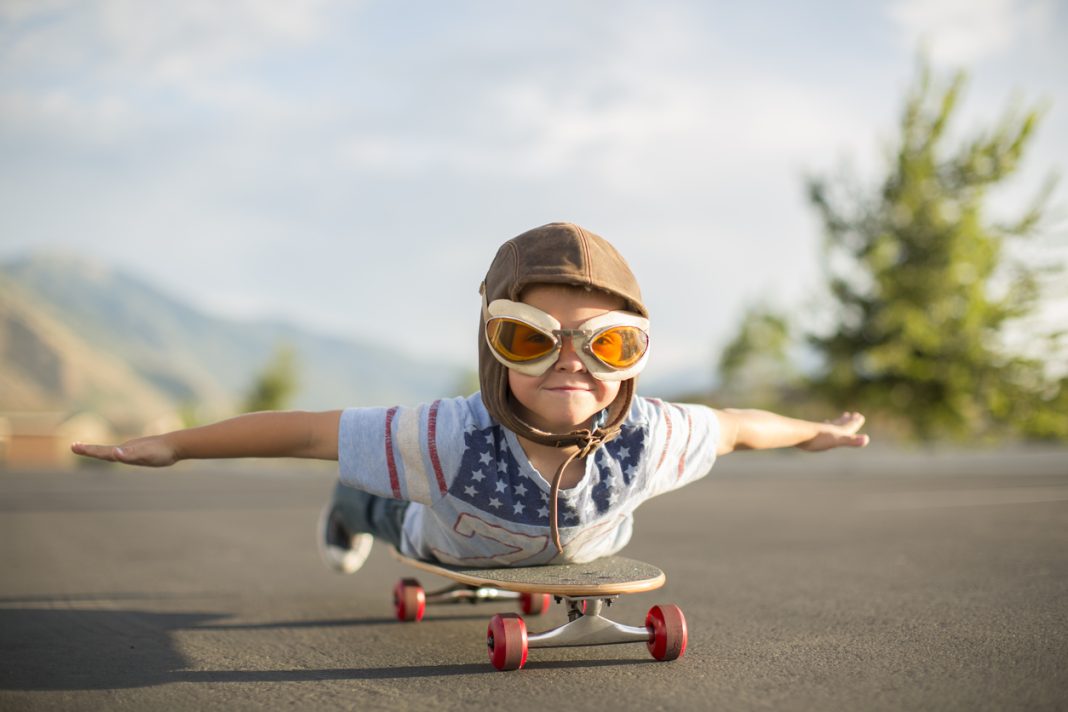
567,396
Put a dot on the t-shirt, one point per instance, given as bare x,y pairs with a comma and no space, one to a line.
478,501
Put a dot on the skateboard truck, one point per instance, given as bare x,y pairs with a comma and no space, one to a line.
529,603
586,626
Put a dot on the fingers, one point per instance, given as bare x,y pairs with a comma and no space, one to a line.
842,432
850,421
148,452
857,441
111,453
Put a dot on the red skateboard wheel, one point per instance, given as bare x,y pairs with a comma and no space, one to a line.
667,632
533,604
506,640
409,600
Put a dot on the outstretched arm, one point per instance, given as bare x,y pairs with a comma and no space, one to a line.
761,430
266,434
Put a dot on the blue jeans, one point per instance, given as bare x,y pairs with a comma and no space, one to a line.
362,512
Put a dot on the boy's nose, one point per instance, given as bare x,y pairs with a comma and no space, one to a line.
568,360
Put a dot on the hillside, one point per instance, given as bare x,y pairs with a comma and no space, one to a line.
44,366
79,334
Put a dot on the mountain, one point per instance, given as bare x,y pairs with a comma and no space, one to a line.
44,366
75,333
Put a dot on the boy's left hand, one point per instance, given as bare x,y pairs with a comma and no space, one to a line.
840,432
150,451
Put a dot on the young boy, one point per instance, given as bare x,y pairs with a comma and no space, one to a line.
547,463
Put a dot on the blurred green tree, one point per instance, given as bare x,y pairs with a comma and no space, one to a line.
756,366
274,387
925,287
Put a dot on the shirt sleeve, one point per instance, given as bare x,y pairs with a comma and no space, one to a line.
685,438
406,453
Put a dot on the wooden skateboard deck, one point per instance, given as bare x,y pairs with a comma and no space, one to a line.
609,576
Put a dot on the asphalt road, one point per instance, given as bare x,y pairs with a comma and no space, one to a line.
845,581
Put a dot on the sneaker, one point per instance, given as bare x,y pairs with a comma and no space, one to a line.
341,551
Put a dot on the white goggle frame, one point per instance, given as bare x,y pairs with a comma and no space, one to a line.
582,337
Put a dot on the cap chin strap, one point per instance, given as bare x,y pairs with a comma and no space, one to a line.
585,441
596,439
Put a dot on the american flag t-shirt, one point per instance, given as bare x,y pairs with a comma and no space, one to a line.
480,502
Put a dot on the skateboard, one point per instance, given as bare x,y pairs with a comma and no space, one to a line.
586,590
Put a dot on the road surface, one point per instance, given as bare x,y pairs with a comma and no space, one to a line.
874,580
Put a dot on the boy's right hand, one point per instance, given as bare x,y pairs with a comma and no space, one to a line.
152,451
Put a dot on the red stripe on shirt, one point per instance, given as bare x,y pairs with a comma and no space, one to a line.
391,462
432,445
667,440
686,447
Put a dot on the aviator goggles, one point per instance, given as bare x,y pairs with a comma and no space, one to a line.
612,346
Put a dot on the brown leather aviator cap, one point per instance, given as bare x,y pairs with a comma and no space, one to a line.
557,253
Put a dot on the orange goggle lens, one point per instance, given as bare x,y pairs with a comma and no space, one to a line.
517,341
617,347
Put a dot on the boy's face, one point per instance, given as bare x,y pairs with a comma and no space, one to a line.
565,397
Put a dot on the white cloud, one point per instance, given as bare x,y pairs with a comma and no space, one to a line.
962,32
170,43
654,100
61,117
113,70
14,11
182,42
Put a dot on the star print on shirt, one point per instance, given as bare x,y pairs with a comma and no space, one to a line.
618,465
490,479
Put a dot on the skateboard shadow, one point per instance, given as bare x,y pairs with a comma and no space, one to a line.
78,649
388,673
339,622
68,644
282,625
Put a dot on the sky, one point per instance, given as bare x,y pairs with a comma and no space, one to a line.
353,166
